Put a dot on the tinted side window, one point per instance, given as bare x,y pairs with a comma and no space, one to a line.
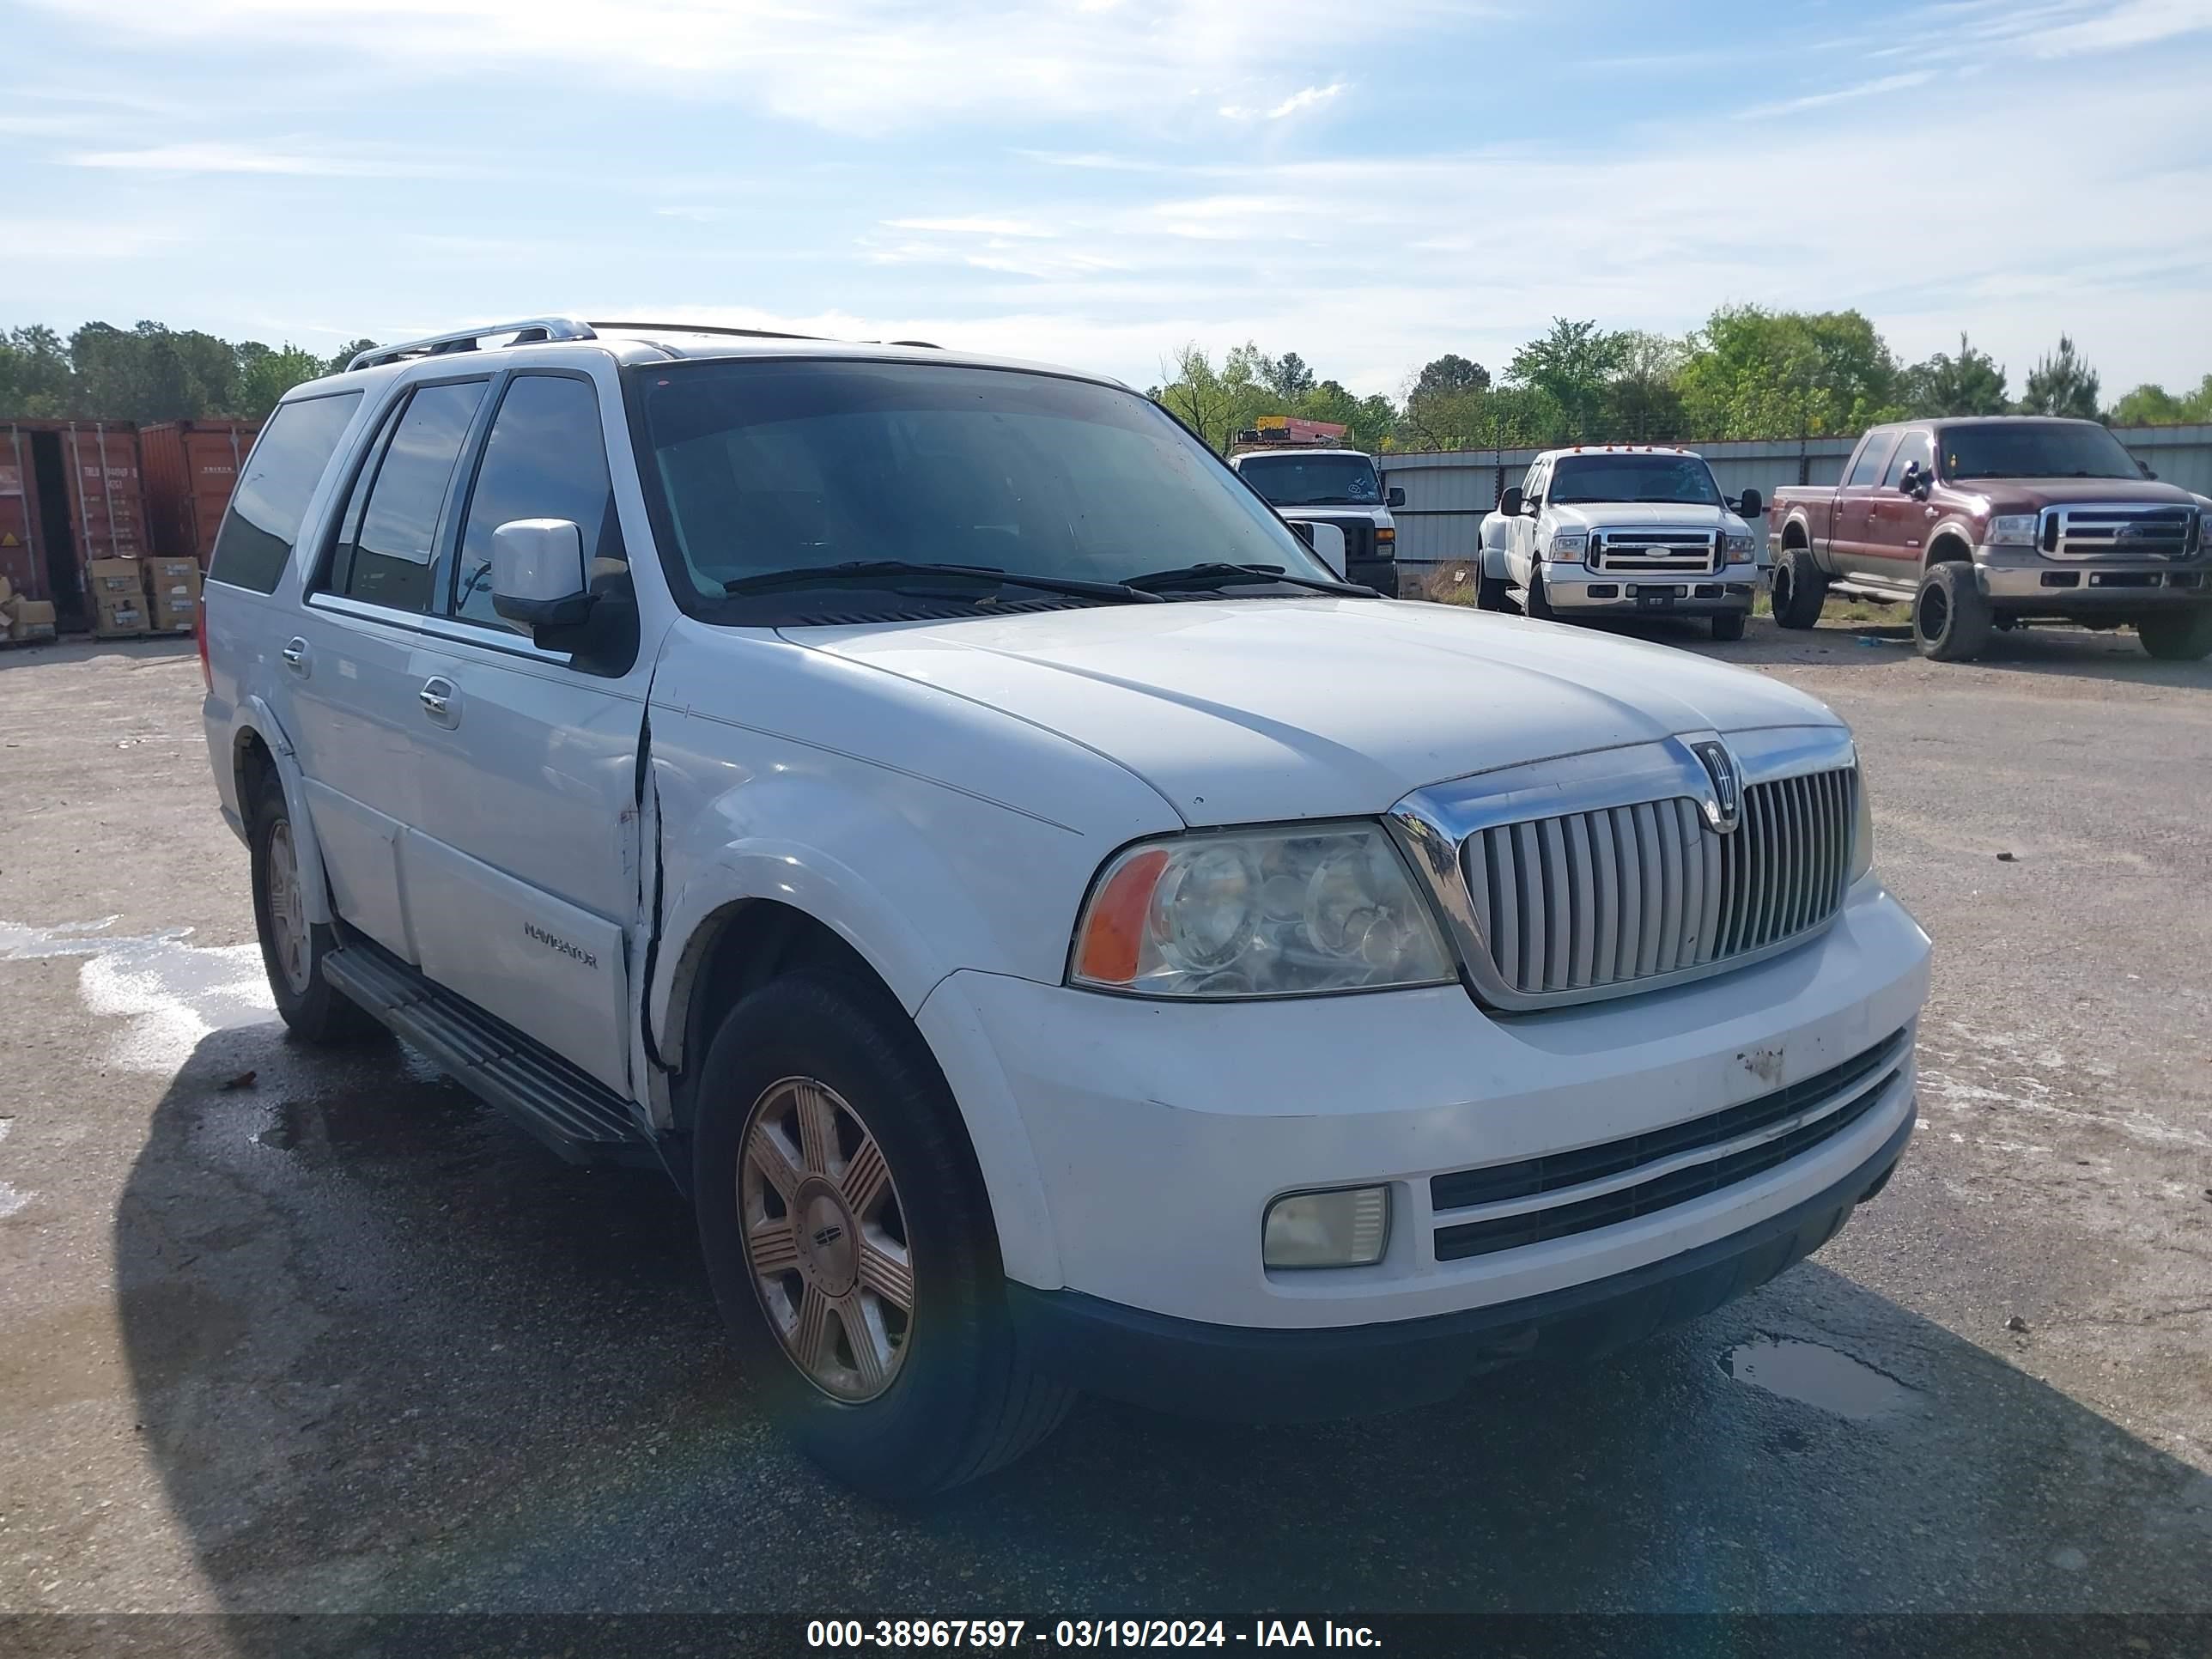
1872,453
546,458
1917,449
388,558
262,521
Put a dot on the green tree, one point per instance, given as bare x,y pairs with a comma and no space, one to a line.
1758,373
1972,383
1196,395
2062,385
265,375
346,354
1450,375
36,379
2146,405
1290,377
1573,364
1643,402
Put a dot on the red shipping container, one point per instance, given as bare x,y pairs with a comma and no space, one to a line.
192,467
69,492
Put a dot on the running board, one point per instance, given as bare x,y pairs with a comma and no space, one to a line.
577,1116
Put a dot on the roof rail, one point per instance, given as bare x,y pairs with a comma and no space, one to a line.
706,328
532,331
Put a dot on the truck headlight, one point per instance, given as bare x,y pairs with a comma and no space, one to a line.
1740,549
1258,913
1568,544
1861,829
2013,530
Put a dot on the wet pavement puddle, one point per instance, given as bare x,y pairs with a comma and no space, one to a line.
1814,1375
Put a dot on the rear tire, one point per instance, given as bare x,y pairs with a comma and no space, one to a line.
292,947
943,1393
1951,618
1799,589
1728,627
2178,636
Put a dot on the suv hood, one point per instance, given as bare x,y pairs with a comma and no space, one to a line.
1250,711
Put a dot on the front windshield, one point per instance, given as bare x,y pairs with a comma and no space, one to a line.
2035,449
1680,478
1314,480
773,466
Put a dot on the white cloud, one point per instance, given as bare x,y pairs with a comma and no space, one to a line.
1900,82
972,225
210,156
1306,98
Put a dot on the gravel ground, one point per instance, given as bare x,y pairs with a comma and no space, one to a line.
338,1338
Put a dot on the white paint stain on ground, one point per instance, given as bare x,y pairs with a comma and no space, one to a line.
169,994
2013,1065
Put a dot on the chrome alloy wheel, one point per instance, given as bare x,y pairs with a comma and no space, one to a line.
825,1238
287,910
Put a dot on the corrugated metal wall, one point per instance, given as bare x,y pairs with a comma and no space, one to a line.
1448,493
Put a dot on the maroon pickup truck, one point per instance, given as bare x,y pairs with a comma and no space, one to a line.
1998,522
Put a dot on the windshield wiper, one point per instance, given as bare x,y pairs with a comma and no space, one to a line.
862,570
1217,575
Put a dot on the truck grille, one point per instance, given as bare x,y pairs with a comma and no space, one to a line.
1655,550
2118,532
1504,1205
1624,893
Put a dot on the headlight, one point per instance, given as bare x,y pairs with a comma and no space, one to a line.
2205,531
1740,548
1263,912
1568,544
2013,530
1861,829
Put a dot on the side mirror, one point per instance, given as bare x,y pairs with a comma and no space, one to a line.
537,574
1395,497
1509,502
1751,505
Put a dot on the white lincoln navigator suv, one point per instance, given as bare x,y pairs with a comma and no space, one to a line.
1059,936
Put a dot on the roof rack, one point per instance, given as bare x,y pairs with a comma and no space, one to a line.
532,331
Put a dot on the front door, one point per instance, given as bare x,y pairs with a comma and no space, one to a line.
1901,521
349,662
523,877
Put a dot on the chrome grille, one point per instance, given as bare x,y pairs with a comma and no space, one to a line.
1624,893
1655,550
2116,531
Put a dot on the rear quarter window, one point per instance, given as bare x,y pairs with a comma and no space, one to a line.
261,524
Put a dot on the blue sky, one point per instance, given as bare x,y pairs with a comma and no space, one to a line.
1096,183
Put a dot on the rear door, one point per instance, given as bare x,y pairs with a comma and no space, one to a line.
522,874
1851,534
351,662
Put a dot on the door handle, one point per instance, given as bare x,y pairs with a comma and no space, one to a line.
441,702
295,654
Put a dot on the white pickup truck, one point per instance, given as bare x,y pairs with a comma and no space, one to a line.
1622,530
1058,936
1339,489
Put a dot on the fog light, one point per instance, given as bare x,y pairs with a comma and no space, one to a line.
1347,1228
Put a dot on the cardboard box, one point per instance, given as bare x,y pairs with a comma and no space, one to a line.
164,575
7,592
119,618
30,619
107,579
174,612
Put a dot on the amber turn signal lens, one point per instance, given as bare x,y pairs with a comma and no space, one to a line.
1111,942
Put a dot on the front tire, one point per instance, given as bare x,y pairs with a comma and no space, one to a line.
1536,605
292,947
1490,593
1728,627
2176,636
1951,618
850,1243
1799,589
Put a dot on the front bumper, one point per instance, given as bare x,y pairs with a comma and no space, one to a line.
1585,592
1158,1132
2016,578
1275,1376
